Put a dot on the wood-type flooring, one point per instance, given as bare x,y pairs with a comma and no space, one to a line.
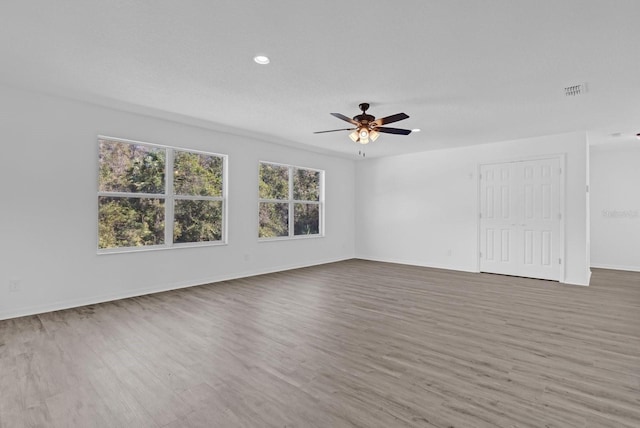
349,344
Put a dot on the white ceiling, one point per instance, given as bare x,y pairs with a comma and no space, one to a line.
466,72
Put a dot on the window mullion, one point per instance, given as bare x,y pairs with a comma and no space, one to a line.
291,220
197,198
131,195
169,199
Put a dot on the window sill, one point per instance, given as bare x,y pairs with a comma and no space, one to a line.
160,248
290,238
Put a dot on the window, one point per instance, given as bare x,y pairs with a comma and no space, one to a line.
152,196
291,201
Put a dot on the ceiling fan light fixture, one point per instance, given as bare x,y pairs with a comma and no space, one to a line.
374,135
354,136
363,135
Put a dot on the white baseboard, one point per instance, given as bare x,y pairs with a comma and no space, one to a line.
57,306
454,268
68,304
581,284
616,267
415,263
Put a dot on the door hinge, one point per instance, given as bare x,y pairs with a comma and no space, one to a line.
559,261
587,188
480,254
479,215
560,171
559,216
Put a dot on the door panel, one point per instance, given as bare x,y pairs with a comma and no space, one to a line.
546,248
520,218
505,247
497,208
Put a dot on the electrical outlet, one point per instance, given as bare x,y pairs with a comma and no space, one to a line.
14,285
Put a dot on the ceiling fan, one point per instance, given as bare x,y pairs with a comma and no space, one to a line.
367,127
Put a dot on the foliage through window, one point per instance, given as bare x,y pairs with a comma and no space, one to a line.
152,195
290,201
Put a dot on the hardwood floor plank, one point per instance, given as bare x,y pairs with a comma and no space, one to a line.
348,344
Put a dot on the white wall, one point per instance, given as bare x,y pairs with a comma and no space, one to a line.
418,209
615,206
48,207
422,208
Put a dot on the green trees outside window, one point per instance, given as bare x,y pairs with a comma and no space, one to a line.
157,196
130,222
290,201
197,175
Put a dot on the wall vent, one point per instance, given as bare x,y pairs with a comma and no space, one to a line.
573,90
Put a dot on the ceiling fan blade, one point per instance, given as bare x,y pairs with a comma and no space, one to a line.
345,118
392,130
390,119
336,130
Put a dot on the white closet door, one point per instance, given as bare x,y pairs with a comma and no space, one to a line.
498,219
520,218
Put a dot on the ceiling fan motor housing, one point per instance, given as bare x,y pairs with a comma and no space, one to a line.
364,119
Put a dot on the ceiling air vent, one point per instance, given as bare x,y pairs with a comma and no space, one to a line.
573,90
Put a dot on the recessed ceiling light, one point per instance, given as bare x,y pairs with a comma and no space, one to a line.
261,59
416,130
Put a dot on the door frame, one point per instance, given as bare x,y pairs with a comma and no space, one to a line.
561,157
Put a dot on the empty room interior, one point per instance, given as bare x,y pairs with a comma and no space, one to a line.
333,214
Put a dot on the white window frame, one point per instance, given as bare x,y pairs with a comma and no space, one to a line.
168,197
291,203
